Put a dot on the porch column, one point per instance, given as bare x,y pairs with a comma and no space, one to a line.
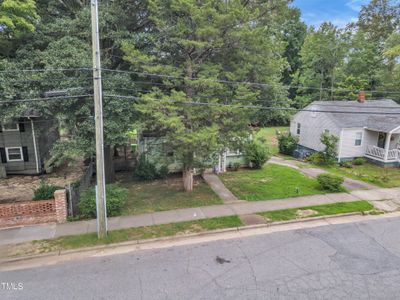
387,145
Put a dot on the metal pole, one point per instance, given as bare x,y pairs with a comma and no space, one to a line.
98,105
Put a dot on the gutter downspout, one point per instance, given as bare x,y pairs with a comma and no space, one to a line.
340,146
35,146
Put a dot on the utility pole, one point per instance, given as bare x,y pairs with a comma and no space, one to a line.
98,111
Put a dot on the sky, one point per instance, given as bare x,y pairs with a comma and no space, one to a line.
338,12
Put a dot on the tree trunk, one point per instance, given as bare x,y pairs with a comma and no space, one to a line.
109,164
188,180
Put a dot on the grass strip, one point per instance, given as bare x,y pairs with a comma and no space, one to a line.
319,210
122,235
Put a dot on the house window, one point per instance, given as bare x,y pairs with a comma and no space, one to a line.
14,154
298,128
10,126
358,140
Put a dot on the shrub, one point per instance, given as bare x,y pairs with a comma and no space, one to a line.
163,172
145,170
116,198
287,143
330,142
359,161
45,191
316,158
256,154
236,166
330,182
346,164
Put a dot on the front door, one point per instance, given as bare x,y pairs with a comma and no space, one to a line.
381,139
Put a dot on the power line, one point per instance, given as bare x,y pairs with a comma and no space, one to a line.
46,99
47,79
237,82
44,70
268,100
252,106
182,78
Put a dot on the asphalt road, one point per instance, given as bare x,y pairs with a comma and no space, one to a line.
350,261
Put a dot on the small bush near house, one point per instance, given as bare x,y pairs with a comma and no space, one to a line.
145,170
287,143
256,154
346,164
330,182
330,143
317,158
235,166
116,198
45,191
359,161
163,172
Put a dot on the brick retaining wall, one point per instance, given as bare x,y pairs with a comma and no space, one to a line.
34,212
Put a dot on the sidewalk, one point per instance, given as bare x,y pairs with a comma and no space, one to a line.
48,231
350,184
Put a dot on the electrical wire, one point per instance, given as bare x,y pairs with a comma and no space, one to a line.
254,106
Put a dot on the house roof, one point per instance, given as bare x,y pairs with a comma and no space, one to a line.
352,114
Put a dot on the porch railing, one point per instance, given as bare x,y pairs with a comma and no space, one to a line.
377,152
393,154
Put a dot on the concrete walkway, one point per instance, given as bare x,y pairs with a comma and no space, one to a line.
47,231
350,184
219,188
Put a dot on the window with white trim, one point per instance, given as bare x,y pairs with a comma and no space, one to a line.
14,154
358,140
298,130
10,126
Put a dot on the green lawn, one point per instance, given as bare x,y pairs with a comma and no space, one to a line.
383,177
160,195
271,182
123,235
269,134
321,210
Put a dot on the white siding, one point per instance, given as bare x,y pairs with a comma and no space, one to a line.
349,149
312,126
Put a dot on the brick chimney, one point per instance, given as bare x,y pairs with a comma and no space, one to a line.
361,97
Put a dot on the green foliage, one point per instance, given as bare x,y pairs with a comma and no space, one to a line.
316,158
329,182
287,143
17,16
145,170
116,198
359,161
346,164
256,154
45,191
330,143
201,55
163,172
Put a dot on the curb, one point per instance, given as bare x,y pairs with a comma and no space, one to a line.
175,238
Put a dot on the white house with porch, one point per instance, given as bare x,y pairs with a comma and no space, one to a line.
369,129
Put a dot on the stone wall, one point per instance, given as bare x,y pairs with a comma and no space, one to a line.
34,212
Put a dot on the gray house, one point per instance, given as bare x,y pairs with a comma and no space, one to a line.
369,129
25,144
